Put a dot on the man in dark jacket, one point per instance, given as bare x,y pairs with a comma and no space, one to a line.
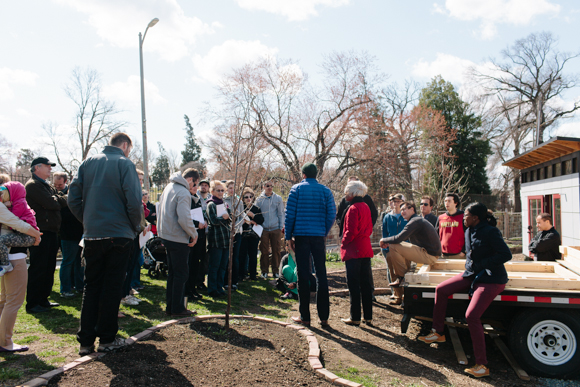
71,272
344,205
46,202
310,214
546,242
105,196
425,246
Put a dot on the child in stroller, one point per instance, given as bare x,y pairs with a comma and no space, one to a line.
155,257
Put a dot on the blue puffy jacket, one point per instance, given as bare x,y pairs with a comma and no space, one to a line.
310,210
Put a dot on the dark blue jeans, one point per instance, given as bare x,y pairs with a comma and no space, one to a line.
71,272
177,275
106,267
133,262
218,261
305,247
359,278
136,282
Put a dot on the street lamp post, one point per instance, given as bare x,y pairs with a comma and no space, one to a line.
143,119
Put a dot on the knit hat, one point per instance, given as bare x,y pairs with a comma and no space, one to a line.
310,170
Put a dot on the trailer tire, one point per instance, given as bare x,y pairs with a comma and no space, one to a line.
546,342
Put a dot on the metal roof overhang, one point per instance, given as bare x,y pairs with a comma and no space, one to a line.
552,149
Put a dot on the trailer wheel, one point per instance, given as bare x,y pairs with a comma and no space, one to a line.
546,342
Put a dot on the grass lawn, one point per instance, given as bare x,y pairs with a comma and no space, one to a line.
51,336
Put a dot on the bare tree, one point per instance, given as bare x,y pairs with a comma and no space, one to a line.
532,78
6,153
296,120
95,120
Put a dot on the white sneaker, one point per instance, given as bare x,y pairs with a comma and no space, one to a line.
135,299
264,276
129,301
6,269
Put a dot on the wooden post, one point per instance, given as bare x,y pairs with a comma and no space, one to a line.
506,225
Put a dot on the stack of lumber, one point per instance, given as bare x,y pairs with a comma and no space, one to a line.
571,255
534,275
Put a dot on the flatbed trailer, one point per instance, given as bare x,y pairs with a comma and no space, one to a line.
542,324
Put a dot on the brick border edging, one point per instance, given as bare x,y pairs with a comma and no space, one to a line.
313,349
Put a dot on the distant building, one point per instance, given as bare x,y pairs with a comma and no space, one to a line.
551,183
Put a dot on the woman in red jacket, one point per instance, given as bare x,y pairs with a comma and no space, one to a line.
356,252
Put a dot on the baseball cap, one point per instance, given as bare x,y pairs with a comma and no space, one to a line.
42,160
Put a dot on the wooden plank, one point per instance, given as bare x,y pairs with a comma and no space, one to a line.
569,266
565,273
523,375
459,352
540,267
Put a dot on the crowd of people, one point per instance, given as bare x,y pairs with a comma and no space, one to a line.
101,216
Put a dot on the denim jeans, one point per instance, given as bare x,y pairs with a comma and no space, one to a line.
359,280
71,272
106,267
178,272
41,270
305,246
249,256
136,281
133,262
218,260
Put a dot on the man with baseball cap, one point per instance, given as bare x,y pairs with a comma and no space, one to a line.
46,202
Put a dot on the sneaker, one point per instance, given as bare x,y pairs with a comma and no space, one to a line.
479,371
432,337
396,301
234,287
135,299
67,294
286,296
6,269
348,321
264,276
368,322
108,347
133,292
84,351
129,301
276,275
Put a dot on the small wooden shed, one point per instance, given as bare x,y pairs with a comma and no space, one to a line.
551,183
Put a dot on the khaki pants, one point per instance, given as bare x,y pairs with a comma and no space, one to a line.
402,254
397,292
270,239
12,294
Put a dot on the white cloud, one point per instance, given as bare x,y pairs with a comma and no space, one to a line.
450,67
568,129
494,12
230,54
129,92
14,77
294,10
119,22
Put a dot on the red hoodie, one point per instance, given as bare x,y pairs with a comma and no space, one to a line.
451,233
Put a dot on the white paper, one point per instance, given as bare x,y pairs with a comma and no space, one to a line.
144,238
82,243
258,229
197,215
221,210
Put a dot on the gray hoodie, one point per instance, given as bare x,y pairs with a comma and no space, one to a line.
174,221
273,211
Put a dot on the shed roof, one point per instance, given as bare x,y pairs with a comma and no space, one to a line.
552,149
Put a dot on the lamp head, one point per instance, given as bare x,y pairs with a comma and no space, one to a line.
152,23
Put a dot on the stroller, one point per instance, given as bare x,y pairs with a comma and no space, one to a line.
155,257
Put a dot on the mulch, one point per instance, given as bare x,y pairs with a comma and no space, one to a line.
251,353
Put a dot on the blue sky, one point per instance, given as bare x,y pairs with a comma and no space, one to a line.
195,42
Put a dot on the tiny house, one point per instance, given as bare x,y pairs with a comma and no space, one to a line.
551,183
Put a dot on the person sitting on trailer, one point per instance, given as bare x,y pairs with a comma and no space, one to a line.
484,278
545,244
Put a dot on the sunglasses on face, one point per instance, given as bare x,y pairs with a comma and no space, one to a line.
219,190
425,204
267,186
248,197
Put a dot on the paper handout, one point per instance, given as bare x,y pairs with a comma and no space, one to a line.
197,215
144,238
221,210
258,229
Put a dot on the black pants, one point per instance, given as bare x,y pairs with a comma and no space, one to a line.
235,261
106,266
359,278
249,255
41,270
178,272
132,264
305,246
203,255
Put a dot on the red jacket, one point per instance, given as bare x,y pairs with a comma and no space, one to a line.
451,233
358,227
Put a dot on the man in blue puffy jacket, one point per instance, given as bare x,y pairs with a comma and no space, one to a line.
310,213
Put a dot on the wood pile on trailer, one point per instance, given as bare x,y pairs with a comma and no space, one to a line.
560,275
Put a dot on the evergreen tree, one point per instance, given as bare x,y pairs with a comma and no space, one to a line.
24,158
161,170
192,150
470,149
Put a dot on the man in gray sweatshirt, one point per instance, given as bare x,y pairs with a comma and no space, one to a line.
272,208
175,226
425,246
